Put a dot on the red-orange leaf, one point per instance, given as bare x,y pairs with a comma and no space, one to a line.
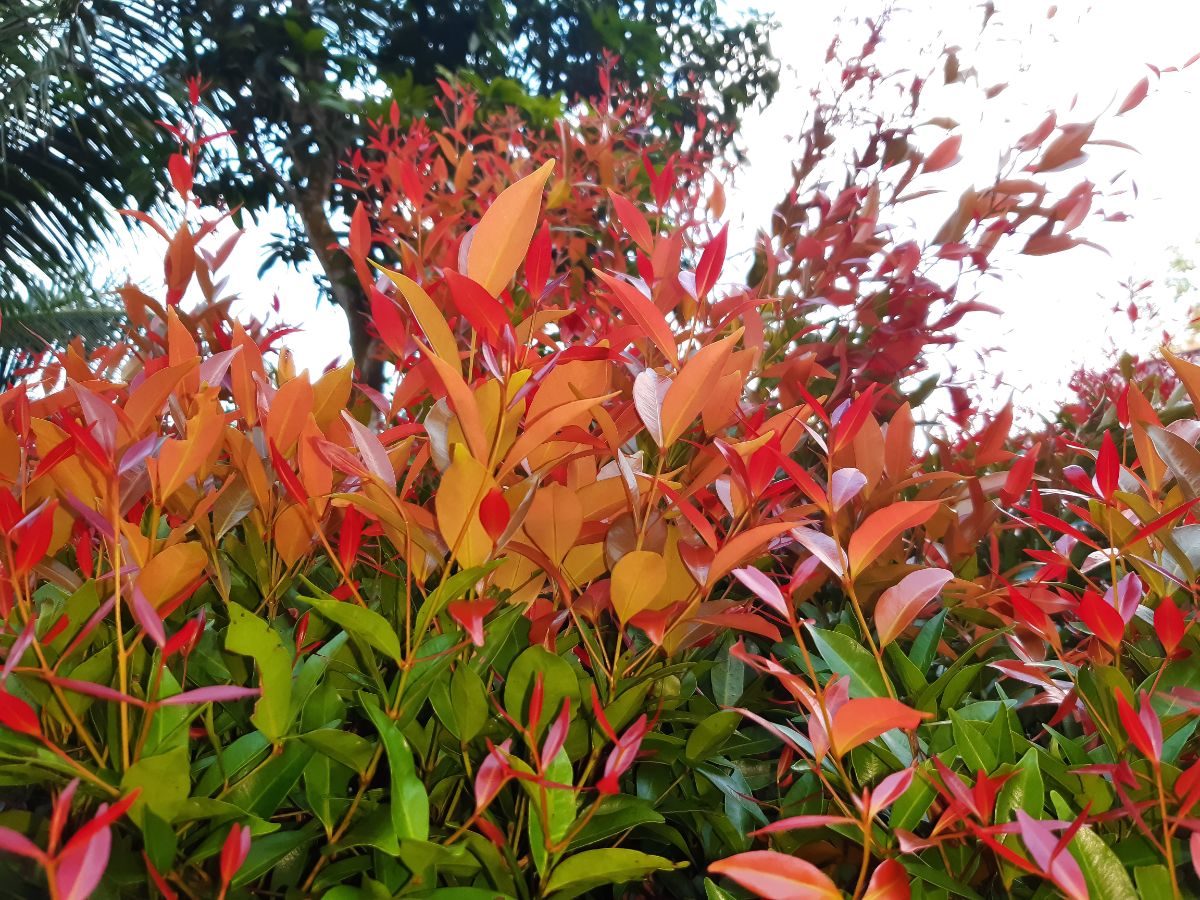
884,526
777,876
864,719
645,314
944,154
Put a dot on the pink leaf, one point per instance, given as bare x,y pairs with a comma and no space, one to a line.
903,602
764,588
823,547
845,486
217,693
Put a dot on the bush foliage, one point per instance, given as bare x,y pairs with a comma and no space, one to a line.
642,580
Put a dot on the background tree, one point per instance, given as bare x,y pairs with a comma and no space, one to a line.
291,80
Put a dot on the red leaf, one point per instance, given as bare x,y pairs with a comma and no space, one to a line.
1108,467
494,513
469,614
217,693
180,171
764,588
623,756
537,263
777,876
234,851
1169,624
493,773
888,882
633,221
1020,475
1147,739
1103,619
18,715
645,314
480,308
711,262
32,537
389,325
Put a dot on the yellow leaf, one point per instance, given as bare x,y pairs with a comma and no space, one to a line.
428,316
171,571
637,579
502,237
457,506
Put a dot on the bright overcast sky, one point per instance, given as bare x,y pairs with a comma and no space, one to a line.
1057,309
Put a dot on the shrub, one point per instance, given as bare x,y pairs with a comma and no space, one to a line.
632,582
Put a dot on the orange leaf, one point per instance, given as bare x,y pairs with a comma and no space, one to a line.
289,411
777,876
536,433
554,521
883,526
428,316
889,881
171,571
645,314
692,387
147,401
738,548
501,239
465,408
637,579
179,460
866,718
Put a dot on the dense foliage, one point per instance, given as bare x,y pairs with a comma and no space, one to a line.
637,579
83,84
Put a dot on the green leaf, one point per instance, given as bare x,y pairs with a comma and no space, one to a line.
262,791
164,781
925,646
345,747
1106,876
710,735
1023,790
361,623
594,868
251,636
1152,881
267,851
728,680
846,656
409,800
558,684
452,588
618,813
469,697
971,746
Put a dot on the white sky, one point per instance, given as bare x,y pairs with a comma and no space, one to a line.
1057,309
